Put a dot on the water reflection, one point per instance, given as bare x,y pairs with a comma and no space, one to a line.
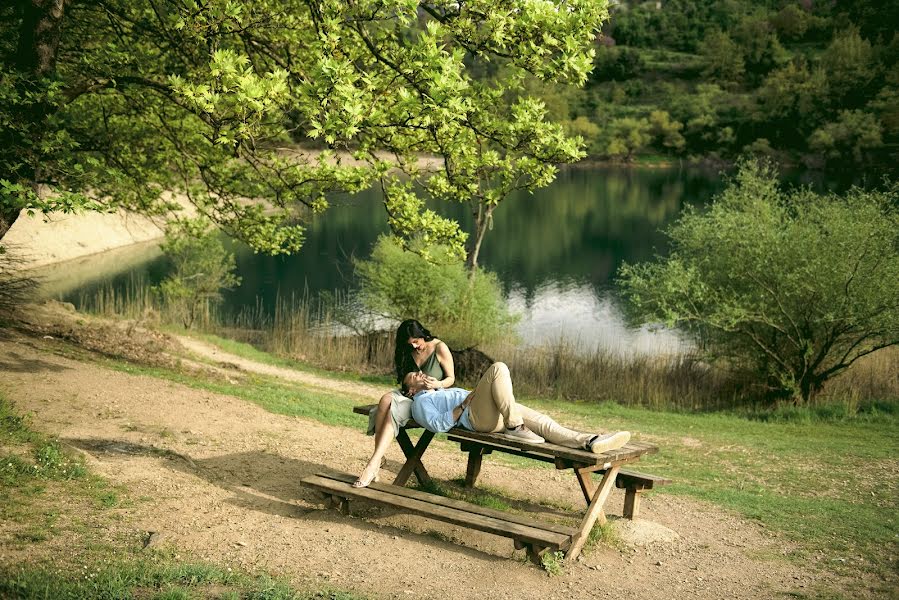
555,252
576,315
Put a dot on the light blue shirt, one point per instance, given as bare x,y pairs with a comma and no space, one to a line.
433,409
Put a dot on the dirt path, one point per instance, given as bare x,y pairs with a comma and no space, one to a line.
209,352
226,488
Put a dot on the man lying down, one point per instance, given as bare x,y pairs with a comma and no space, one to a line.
491,408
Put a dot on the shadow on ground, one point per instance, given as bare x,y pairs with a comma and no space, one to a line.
270,483
16,363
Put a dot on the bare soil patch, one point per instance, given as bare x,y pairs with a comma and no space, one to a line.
217,478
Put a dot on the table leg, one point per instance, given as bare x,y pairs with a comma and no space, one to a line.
594,512
475,456
588,488
413,458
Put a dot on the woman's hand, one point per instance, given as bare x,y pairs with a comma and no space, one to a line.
432,383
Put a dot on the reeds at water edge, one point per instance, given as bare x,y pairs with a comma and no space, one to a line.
313,331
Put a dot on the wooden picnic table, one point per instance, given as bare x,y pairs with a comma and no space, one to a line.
582,463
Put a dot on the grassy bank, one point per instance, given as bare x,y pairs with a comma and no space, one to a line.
311,333
66,535
825,479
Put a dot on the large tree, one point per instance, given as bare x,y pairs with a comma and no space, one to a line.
114,102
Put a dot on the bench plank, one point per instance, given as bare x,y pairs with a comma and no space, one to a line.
642,481
457,504
629,451
427,508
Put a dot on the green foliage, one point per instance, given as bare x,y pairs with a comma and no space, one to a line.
722,58
850,65
208,102
779,71
466,308
760,46
793,95
791,22
587,130
553,563
202,269
854,134
666,130
617,64
797,285
627,136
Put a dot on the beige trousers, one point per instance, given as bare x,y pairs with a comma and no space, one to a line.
492,408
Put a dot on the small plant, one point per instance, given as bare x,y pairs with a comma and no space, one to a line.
553,563
466,308
202,269
602,534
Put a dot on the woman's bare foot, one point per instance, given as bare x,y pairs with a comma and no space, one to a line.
369,474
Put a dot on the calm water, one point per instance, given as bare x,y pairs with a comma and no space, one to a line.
556,252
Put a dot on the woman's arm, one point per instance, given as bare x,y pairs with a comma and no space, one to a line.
445,358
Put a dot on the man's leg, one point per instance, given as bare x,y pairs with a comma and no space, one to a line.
547,427
492,406
554,433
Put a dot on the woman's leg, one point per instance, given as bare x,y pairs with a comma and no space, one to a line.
383,435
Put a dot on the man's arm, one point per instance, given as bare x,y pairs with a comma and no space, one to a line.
439,411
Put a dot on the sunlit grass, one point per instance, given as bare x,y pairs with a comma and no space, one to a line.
821,479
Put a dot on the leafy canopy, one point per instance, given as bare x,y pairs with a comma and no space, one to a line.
208,99
794,284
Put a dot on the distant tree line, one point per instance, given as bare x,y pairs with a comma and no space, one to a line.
809,82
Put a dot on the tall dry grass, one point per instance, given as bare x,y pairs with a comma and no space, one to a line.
662,381
313,332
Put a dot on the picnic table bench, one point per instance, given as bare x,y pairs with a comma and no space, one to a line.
535,537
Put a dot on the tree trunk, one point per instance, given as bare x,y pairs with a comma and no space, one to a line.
481,224
35,61
39,36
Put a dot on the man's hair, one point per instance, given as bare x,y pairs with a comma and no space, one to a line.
404,388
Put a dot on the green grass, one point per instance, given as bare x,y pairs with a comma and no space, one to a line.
158,577
250,352
276,396
824,484
824,478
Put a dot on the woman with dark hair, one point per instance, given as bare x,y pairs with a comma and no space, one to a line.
416,351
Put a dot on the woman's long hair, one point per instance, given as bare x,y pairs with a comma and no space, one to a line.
402,354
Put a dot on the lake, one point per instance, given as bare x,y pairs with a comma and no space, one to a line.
556,253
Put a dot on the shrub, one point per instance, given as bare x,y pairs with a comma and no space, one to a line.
465,308
202,269
797,286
